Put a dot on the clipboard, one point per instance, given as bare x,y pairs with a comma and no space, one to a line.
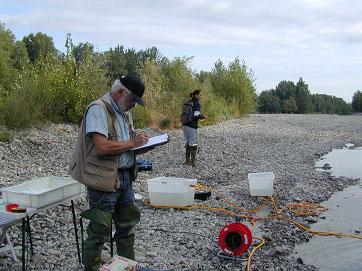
154,142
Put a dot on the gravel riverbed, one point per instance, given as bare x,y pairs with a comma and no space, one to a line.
287,145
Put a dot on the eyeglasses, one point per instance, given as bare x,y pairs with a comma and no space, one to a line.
128,92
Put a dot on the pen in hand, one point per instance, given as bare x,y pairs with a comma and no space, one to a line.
140,139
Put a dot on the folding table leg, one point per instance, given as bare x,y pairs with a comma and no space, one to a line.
23,244
29,233
11,248
6,244
76,231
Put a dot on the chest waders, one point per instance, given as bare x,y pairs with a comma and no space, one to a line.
98,231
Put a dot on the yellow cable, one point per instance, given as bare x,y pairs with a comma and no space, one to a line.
262,242
308,229
298,209
199,207
201,187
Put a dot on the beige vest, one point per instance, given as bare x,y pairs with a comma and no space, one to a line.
86,166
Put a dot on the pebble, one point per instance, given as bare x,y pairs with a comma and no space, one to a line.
275,251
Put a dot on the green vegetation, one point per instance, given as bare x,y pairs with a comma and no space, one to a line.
357,101
38,83
6,136
288,97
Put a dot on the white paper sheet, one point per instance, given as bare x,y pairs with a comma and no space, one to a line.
154,141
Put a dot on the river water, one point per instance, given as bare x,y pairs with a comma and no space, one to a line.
329,253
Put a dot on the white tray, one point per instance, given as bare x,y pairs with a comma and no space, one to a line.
40,192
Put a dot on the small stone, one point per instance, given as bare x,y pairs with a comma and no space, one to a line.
312,219
209,247
297,199
37,259
151,254
267,236
35,141
299,260
275,251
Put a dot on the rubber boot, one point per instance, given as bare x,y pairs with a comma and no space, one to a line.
98,233
193,152
188,153
125,220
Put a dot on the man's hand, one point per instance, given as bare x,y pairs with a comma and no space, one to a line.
140,139
109,147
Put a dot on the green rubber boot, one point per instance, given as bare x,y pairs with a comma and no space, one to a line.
188,153
98,233
193,152
125,220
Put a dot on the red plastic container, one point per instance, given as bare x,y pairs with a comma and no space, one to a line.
11,206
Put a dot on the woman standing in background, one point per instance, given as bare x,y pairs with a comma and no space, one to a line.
190,128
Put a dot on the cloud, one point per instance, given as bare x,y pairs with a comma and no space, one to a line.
277,38
200,22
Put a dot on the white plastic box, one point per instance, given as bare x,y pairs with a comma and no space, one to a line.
261,183
171,191
40,192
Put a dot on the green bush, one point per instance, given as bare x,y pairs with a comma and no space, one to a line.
141,117
53,89
6,136
24,105
57,87
235,84
165,124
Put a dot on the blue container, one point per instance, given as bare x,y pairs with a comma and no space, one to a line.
144,165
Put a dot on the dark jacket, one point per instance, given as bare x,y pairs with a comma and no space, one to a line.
195,120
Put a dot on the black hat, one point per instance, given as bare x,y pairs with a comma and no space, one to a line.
135,85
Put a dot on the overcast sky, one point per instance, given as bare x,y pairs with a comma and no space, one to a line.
318,40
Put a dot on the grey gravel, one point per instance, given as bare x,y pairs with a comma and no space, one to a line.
287,145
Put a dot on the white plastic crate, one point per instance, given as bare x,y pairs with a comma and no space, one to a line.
261,183
39,192
171,191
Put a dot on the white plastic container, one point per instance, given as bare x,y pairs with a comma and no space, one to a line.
40,192
261,183
171,191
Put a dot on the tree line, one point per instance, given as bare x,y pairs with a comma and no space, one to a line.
288,97
38,83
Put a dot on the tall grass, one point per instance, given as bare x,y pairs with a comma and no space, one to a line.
59,89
